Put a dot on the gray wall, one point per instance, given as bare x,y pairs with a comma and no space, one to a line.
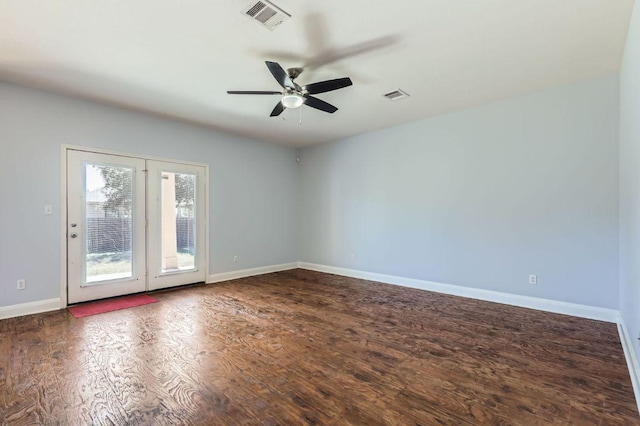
630,182
246,177
480,198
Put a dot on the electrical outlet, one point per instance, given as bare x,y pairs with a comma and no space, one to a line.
533,279
22,284
353,256
235,259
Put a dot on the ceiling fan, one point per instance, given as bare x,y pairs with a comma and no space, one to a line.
294,95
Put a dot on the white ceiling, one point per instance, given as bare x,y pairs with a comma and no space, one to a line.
178,58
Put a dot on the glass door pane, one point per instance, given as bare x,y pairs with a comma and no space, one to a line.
108,212
176,214
178,220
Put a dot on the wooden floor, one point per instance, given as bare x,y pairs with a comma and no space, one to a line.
301,347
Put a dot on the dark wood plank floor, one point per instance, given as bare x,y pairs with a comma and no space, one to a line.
301,347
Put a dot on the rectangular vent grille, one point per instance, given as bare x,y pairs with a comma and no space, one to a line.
255,9
396,95
266,13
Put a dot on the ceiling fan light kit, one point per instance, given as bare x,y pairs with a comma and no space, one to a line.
294,95
292,100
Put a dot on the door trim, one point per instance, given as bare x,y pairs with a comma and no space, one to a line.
63,205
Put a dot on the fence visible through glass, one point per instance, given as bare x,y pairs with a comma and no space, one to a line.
108,213
178,221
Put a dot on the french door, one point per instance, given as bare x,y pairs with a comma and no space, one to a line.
176,210
132,225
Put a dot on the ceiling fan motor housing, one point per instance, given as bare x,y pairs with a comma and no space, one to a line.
294,72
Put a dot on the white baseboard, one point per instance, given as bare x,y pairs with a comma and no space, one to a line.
582,311
233,275
632,360
29,308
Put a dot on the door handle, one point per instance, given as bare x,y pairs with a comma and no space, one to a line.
73,235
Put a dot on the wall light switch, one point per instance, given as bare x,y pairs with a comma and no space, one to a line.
48,209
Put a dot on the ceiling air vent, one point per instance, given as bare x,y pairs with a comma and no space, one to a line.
396,95
266,13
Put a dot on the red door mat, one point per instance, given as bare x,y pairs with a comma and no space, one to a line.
94,308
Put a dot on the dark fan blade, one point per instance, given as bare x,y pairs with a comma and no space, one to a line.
327,86
280,75
252,92
277,110
319,104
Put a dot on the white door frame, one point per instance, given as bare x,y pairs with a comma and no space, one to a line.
63,205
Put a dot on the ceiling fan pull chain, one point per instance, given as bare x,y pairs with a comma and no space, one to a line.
300,109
